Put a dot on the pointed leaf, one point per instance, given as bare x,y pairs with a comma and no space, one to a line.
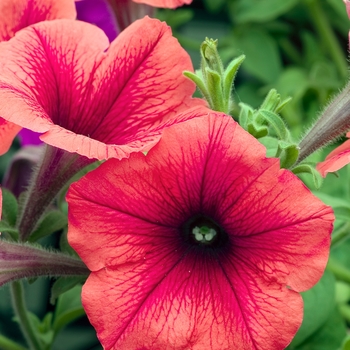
215,90
289,154
9,207
245,115
200,85
52,222
229,76
68,309
305,168
62,285
277,124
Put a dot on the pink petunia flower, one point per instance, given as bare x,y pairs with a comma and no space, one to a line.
62,79
18,14
202,244
335,160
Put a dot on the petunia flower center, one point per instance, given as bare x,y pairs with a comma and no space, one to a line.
204,234
203,231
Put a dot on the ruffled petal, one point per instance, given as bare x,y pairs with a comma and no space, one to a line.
18,14
85,99
128,221
8,132
335,160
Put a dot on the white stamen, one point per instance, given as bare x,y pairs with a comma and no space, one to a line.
204,234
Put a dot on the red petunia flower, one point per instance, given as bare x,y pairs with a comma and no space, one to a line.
62,79
202,244
18,14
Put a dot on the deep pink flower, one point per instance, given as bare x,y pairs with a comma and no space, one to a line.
18,14
63,79
202,244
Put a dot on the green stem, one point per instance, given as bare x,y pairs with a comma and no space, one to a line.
327,35
19,306
344,311
340,272
8,344
341,234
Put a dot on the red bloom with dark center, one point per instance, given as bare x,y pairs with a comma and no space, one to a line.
202,244
62,79
18,14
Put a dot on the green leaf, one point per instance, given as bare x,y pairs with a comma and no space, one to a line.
229,76
329,336
9,207
257,130
176,18
263,58
43,328
52,222
200,85
318,306
305,168
276,122
68,309
5,227
245,115
215,90
342,292
261,11
214,5
64,284
288,155
271,145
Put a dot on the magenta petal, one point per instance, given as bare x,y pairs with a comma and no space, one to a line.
154,285
97,103
18,14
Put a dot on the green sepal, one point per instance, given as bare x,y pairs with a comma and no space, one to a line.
215,90
64,284
200,85
229,77
9,207
273,102
210,56
288,154
11,231
257,131
308,168
245,116
52,222
276,122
